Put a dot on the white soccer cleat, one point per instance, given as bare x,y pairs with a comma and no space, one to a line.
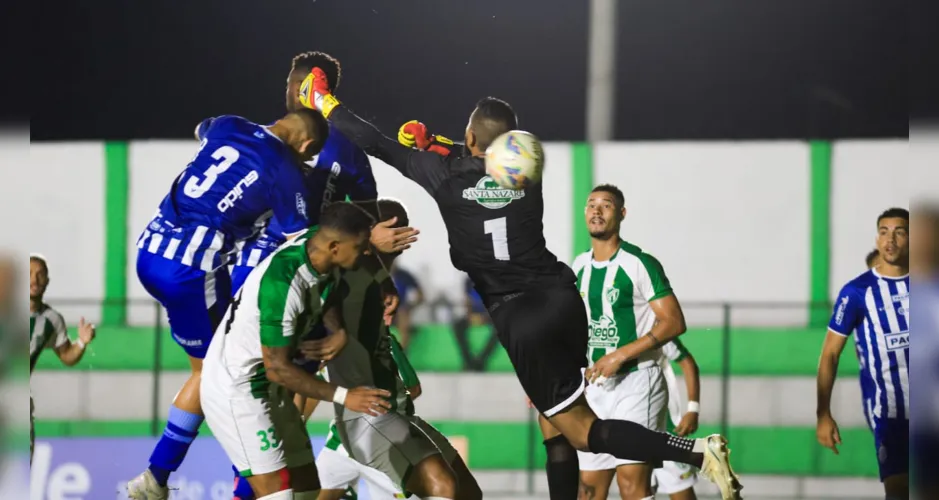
716,467
145,487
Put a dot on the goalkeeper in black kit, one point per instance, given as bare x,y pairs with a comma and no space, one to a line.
536,309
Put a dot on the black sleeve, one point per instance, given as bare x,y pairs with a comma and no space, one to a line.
423,167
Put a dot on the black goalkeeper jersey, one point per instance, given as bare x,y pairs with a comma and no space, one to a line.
496,235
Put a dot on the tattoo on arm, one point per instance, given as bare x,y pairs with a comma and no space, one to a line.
281,370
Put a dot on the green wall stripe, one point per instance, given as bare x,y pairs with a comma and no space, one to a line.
581,184
117,191
497,445
820,274
753,351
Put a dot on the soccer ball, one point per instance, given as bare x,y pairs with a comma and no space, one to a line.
515,160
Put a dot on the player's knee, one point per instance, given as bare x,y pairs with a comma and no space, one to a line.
433,477
271,483
634,481
592,488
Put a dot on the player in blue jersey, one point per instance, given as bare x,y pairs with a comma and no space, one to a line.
876,307
242,172
339,171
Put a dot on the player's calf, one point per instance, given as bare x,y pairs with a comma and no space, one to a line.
594,484
634,481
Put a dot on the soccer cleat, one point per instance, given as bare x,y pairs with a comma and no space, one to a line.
145,487
716,467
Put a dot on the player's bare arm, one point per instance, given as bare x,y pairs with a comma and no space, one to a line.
669,324
71,353
281,370
691,373
826,430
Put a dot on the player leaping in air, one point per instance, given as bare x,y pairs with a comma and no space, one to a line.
242,172
876,307
532,298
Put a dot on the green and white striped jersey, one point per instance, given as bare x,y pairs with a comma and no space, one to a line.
408,377
279,302
46,329
617,293
368,359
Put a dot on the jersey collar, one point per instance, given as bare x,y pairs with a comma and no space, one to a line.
875,273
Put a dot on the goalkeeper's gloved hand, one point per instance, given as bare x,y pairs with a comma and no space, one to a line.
414,134
315,93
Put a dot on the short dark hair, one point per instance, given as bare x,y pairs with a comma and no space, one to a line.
346,218
330,65
873,254
40,259
894,213
389,208
492,118
317,127
613,190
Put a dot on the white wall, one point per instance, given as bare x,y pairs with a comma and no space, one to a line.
60,214
867,178
729,221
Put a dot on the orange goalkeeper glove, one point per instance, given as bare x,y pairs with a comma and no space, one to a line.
315,93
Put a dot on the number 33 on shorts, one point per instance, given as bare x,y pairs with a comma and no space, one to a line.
269,439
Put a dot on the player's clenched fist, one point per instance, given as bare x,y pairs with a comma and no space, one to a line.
315,92
414,134
367,400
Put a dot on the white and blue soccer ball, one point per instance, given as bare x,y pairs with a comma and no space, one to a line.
515,160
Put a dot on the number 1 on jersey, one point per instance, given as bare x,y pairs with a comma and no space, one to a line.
500,237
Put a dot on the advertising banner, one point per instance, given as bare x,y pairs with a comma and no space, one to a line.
98,468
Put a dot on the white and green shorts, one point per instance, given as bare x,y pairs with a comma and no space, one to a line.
261,431
640,396
392,443
673,478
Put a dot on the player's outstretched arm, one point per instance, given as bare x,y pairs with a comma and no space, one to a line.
70,353
691,373
425,168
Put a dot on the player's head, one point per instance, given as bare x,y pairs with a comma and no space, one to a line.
389,208
302,65
491,118
873,259
605,211
893,236
343,235
38,276
304,130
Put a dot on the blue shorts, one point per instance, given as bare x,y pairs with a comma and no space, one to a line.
892,443
195,300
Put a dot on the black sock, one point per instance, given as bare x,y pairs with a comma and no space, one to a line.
627,440
563,469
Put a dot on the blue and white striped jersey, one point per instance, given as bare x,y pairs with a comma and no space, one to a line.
877,308
341,170
241,175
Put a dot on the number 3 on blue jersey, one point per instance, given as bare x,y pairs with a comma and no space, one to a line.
228,155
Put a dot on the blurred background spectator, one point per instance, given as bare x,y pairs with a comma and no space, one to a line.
411,297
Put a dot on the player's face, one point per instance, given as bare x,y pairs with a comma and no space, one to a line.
893,240
294,80
347,250
601,214
38,279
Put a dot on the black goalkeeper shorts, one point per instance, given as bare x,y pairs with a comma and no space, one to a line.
545,334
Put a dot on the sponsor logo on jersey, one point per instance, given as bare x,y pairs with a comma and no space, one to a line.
301,204
330,190
839,315
612,294
603,333
897,341
490,195
237,192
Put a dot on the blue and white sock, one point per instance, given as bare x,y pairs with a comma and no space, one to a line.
181,430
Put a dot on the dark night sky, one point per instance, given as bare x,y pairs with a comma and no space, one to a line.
686,69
